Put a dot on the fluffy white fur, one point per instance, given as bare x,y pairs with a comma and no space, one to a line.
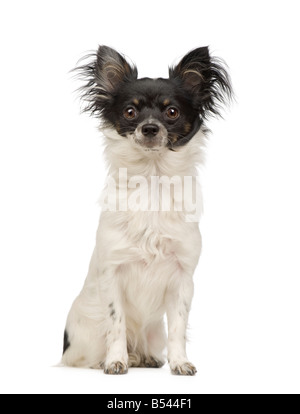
141,269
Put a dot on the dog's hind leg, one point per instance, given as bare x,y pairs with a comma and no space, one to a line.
156,343
84,346
148,352
84,336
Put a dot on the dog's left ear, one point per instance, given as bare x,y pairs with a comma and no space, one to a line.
205,78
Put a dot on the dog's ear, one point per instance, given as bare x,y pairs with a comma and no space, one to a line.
104,74
205,78
112,69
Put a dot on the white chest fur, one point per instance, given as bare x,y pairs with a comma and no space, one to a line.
142,265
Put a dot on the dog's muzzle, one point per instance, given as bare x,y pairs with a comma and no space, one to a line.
151,134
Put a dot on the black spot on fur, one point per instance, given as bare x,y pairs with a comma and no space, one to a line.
66,341
113,314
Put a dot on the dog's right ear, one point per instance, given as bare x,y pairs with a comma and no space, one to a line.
104,75
112,69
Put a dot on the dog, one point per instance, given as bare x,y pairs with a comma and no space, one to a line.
147,244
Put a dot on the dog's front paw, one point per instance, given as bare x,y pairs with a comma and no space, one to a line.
183,368
116,368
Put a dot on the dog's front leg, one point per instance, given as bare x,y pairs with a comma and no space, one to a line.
178,302
116,361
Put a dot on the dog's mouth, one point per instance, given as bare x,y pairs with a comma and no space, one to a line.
151,136
151,149
150,144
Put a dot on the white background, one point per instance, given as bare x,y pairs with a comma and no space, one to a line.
244,325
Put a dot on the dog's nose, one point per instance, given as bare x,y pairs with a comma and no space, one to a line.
150,130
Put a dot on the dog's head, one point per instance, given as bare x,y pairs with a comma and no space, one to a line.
155,113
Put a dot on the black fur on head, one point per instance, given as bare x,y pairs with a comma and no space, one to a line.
197,87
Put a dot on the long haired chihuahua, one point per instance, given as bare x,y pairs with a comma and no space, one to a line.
148,241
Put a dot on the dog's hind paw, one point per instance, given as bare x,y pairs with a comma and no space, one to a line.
116,368
151,362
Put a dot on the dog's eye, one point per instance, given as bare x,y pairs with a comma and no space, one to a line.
172,113
130,113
